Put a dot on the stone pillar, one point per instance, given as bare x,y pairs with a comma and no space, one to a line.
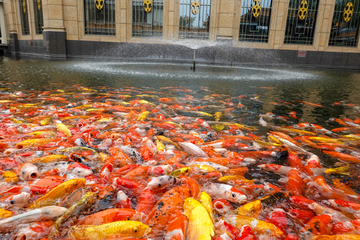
225,19
280,9
2,25
54,31
326,12
11,27
14,44
172,26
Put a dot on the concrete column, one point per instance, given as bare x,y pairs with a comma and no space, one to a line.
278,27
54,31
225,20
326,8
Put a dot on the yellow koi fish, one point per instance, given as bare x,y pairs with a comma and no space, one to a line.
58,193
160,146
339,170
143,116
146,102
217,116
49,159
61,127
122,229
9,176
166,140
45,121
34,142
200,225
44,134
180,171
206,201
251,209
5,213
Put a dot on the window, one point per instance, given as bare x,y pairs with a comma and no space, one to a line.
24,17
38,16
345,23
301,21
99,17
255,20
194,19
147,18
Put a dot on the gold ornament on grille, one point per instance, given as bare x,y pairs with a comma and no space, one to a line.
196,6
39,4
147,5
348,11
303,8
256,8
24,6
99,4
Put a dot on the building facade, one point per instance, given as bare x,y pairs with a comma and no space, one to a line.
300,32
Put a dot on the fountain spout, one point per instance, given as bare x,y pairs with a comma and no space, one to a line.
194,63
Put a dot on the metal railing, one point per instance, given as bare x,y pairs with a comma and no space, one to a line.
39,23
194,19
24,17
345,23
99,17
301,22
255,20
147,18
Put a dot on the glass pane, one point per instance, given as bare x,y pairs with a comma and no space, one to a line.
345,23
194,19
255,20
301,21
147,18
99,17
24,17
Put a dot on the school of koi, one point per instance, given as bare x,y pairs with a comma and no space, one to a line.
137,163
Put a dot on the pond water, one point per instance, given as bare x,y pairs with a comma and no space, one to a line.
146,111
271,87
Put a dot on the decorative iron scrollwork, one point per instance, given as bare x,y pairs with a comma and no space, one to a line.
303,9
348,11
99,4
147,5
24,6
39,4
196,6
256,8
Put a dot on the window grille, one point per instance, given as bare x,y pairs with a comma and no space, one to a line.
147,18
24,17
194,19
38,16
255,20
345,23
301,21
99,17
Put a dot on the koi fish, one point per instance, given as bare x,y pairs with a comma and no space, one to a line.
45,213
58,193
122,229
198,216
225,191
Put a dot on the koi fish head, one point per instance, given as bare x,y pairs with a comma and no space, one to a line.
19,200
29,172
